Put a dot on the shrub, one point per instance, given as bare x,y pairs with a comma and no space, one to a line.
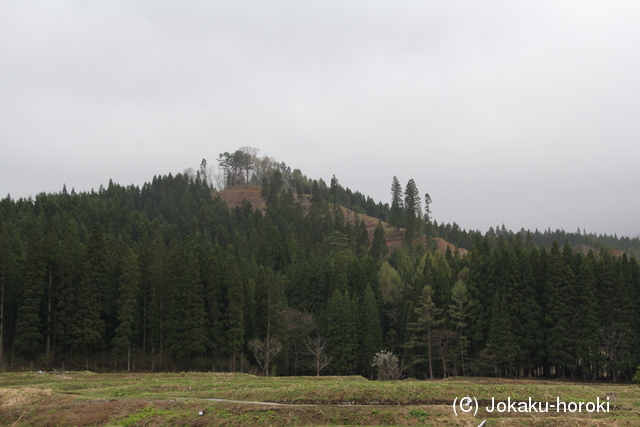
388,366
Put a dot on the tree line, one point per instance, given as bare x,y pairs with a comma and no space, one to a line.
167,277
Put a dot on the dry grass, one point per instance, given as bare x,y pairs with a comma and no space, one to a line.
22,396
135,399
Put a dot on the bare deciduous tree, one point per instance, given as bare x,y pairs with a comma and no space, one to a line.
299,327
318,349
265,351
613,339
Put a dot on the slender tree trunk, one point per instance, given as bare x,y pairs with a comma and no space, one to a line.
429,349
444,360
129,358
48,354
462,359
144,320
266,362
161,335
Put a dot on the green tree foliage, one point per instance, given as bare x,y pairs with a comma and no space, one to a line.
7,267
371,332
428,320
270,309
379,245
88,325
70,273
561,294
129,283
167,276
341,334
234,315
588,321
459,315
392,289
29,338
427,217
396,213
362,238
413,209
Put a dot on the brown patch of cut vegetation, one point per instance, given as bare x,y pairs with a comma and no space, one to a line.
22,396
234,196
442,246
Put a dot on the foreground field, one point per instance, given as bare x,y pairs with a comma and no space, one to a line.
188,399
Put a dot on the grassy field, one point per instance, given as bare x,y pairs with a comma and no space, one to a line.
89,399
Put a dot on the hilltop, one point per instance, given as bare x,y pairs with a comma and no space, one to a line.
308,279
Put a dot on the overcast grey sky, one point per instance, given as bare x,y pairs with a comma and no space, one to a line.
522,113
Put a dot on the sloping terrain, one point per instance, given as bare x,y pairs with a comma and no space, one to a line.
234,196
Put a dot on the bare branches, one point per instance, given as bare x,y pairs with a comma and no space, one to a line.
318,349
265,351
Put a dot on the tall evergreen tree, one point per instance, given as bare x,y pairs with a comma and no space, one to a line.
459,315
423,330
129,283
588,319
427,217
362,238
187,335
396,213
560,342
29,339
413,211
379,245
51,254
341,334
529,312
371,332
71,277
502,339
7,266
271,310
234,315
89,327
211,265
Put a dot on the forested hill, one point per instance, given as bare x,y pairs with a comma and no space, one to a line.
167,276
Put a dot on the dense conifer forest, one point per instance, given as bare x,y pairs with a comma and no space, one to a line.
167,277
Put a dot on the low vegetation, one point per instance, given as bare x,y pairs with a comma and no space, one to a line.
85,398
